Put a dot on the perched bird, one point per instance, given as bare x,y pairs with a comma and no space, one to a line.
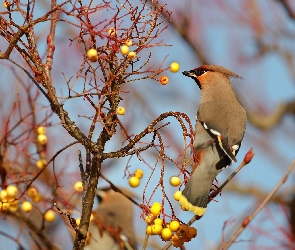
220,127
112,227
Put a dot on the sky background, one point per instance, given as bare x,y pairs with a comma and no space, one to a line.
226,39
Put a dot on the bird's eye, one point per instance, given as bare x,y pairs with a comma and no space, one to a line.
200,72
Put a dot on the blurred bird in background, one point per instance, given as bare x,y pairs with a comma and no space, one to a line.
112,227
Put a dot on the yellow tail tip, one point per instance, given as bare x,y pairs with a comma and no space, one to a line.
200,211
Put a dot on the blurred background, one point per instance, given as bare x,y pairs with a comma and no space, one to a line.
253,38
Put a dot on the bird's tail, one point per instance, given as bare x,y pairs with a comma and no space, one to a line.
195,196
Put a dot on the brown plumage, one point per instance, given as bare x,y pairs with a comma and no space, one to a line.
112,228
220,127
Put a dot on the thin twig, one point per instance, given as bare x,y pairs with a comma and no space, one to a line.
249,218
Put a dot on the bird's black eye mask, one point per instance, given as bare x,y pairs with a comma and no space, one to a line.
194,73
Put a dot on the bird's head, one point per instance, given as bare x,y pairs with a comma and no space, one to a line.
205,73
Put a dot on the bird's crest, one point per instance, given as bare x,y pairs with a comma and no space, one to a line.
217,68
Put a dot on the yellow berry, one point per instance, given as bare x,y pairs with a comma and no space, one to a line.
148,230
174,67
5,4
11,191
124,50
164,80
49,216
166,234
131,55
41,163
191,232
78,186
112,32
41,130
158,221
120,111
134,182
3,195
138,173
177,195
175,181
157,229
78,221
128,42
92,54
42,139
27,206
13,209
156,209
32,192
174,225
37,198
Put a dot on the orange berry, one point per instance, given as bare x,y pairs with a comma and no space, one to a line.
175,237
178,243
182,230
164,80
191,232
134,182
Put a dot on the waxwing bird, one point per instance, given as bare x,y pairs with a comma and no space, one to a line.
112,227
220,126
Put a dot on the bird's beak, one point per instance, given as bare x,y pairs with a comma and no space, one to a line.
187,73
190,73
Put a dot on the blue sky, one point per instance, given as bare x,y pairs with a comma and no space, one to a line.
266,82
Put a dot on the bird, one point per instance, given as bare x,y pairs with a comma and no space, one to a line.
112,227
220,127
